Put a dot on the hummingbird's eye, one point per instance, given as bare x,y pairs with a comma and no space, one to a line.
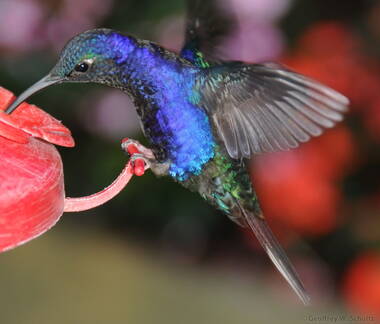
82,67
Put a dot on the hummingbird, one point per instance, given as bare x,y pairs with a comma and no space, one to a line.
205,117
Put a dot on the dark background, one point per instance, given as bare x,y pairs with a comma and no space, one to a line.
160,254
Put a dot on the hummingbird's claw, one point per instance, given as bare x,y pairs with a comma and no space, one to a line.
139,164
132,146
143,158
140,156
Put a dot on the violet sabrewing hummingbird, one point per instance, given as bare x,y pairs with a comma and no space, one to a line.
204,117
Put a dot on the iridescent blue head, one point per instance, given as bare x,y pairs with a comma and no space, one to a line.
93,56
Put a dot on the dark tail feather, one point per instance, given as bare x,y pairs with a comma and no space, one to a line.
276,254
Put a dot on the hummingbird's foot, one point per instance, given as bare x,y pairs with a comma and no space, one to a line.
143,158
132,147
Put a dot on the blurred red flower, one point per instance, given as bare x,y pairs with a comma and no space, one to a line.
332,54
299,188
361,285
326,39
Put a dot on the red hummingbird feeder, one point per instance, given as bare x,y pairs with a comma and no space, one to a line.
32,194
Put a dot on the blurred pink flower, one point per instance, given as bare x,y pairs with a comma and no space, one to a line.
19,23
94,9
257,37
254,42
260,10
170,33
74,17
110,114
30,24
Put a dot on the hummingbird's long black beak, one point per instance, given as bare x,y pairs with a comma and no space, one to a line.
43,83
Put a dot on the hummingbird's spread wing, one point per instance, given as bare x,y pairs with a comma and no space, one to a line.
264,107
208,23
276,253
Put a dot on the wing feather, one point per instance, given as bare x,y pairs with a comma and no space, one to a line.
264,107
